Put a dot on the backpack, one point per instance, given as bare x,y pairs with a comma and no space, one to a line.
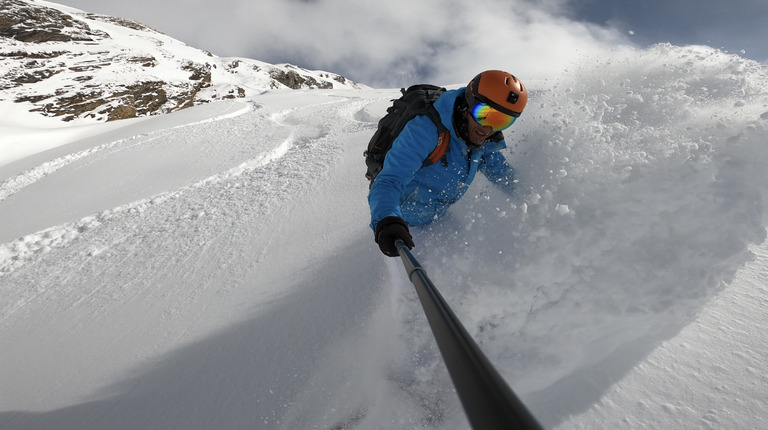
416,100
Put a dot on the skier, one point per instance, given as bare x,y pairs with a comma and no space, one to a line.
406,194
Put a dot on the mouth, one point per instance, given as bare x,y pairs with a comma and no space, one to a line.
480,136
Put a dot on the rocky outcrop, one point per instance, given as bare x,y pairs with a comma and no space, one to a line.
30,23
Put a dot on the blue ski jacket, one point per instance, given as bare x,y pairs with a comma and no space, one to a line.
419,195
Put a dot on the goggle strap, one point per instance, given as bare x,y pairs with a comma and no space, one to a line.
492,104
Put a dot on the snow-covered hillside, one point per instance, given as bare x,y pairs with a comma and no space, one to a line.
82,67
213,268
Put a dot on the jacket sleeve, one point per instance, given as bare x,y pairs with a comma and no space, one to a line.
409,150
497,169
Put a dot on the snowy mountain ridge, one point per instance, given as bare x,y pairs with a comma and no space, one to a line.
65,63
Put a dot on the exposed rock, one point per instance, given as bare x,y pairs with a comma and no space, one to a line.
118,21
35,76
22,54
122,112
27,22
200,72
294,80
72,106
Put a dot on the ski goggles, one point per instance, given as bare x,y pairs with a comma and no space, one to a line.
487,116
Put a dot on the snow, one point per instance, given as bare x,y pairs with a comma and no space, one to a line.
213,268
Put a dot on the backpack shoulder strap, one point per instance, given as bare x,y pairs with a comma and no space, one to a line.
443,138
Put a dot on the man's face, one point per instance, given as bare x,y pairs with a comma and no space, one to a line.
478,134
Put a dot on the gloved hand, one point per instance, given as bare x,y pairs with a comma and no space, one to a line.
388,231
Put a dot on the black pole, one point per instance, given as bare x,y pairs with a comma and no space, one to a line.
488,401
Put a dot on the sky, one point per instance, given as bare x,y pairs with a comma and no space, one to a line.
390,44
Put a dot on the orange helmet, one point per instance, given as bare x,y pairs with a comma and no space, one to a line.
500,90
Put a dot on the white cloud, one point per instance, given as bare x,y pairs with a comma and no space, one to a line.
379,43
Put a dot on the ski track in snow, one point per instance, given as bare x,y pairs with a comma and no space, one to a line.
211,234
26,247
244,289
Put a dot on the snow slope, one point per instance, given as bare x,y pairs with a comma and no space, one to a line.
213,268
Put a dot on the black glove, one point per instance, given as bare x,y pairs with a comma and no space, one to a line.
388,231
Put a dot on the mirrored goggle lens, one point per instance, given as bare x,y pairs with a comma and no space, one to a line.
488,116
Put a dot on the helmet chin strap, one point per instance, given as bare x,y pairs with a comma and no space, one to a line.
473,145
460,107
